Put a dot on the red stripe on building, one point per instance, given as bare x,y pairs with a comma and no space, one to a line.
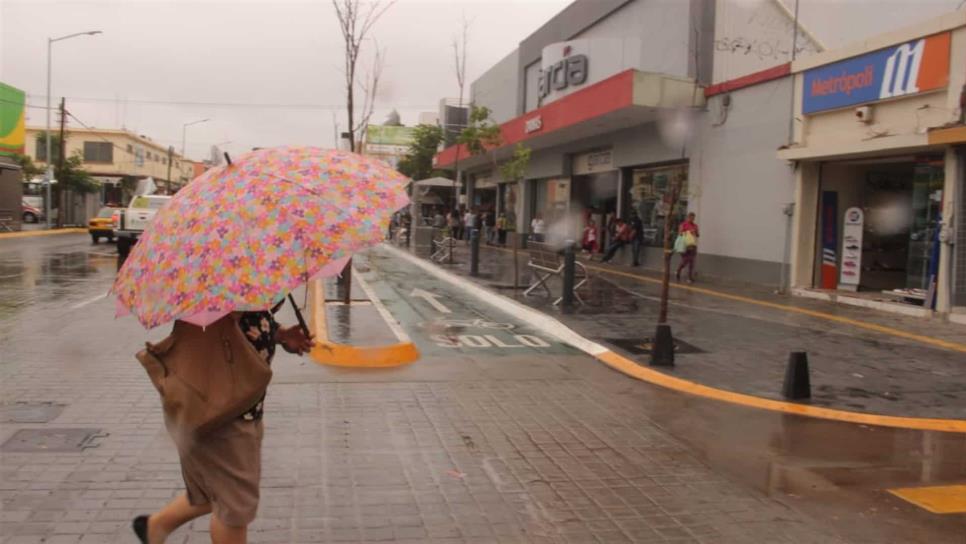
611,94
771,74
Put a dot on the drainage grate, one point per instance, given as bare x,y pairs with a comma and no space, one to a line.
30,412
642,346
52,440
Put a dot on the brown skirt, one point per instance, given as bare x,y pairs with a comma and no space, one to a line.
223,468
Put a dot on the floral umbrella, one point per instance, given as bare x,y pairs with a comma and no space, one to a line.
241,236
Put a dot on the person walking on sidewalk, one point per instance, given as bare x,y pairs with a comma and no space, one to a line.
538,228
222,467
455,225
689,232
638,227
623,235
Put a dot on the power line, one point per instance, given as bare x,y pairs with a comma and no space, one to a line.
260,105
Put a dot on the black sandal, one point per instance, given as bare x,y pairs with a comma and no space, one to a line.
140,526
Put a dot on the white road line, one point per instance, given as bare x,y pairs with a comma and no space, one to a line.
386,316
86,302
530,316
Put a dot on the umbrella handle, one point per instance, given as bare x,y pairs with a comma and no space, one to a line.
298,315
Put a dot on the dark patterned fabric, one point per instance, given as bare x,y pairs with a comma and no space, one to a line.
260,329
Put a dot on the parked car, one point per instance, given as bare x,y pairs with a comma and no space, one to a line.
30,213
130,222
102,225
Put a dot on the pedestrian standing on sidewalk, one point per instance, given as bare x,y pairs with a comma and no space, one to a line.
455,225
638,227
501,229
538,228
588,241
623,234
469,223
689,231
222,467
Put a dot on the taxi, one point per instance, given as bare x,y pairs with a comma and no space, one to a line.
102,225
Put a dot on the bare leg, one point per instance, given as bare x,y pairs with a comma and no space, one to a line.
223,534
175,514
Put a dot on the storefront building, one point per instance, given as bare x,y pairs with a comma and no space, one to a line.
610,97
878,170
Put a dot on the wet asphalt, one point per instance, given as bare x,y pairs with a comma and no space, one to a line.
560,447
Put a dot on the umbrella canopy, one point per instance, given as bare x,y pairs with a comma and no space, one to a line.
241,236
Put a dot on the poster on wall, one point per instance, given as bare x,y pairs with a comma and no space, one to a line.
852,249
830,239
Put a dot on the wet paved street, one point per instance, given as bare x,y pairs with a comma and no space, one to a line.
497,434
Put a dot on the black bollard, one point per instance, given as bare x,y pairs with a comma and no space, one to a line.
570,265
797,385
662,347
475,252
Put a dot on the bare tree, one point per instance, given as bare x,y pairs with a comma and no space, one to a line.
356,19
459,56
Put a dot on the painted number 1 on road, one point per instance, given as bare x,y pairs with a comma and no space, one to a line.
489,341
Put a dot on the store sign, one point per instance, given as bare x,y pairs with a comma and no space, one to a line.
910,68
591,163
570,71
830,239
568,67
533,124
852,249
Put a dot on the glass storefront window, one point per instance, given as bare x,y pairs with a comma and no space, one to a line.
650,194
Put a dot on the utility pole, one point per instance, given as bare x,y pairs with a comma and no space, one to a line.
170,155
61,197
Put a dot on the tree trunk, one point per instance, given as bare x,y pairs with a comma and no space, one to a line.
668,251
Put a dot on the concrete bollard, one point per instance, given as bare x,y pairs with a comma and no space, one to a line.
569,272
662,346
797,385
475,252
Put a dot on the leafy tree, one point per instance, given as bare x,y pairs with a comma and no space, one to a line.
30,170
417,163
515,168
72,176
481,133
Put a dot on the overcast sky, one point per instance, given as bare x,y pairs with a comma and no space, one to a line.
155,58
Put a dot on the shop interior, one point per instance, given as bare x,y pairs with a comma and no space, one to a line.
901,198
650,194
594,196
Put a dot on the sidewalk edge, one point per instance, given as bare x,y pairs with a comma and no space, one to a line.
630,368
31,233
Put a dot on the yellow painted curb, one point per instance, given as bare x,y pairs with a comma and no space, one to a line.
30,233
939,499
330,353
630,368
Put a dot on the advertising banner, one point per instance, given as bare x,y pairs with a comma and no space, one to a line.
852,249
910,68
830,239
12,120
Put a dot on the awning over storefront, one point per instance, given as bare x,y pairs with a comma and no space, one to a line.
948,135
627,99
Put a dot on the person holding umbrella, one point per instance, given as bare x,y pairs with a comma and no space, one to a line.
217,261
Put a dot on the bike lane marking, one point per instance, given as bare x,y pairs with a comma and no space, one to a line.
466,325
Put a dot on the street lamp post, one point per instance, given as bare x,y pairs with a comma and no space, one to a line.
184,133
49,176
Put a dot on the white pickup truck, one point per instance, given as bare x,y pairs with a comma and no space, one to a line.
130,222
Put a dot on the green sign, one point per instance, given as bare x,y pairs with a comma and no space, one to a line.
389,135
12,120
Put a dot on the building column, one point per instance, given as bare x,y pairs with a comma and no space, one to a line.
621,186
944,281
470,190
527,194
803,224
